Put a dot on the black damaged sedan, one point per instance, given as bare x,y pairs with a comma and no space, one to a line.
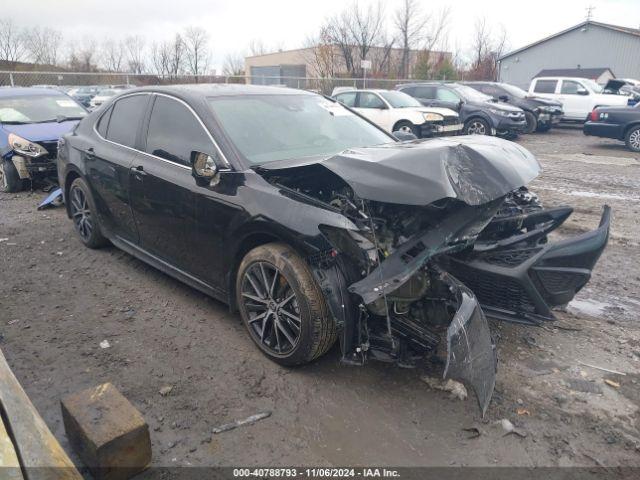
318,226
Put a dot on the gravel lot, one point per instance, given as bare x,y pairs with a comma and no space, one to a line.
60,300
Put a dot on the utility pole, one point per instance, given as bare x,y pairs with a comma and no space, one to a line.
590,10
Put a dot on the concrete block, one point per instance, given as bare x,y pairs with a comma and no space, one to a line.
107,432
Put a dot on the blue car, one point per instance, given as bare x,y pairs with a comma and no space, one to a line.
31,121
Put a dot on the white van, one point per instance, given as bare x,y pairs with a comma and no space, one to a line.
579,96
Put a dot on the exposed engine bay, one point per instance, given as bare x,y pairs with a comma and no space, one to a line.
409,280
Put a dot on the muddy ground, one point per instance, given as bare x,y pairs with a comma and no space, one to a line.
59,301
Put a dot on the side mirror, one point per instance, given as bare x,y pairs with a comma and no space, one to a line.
404,136
503,98
582,91
203,168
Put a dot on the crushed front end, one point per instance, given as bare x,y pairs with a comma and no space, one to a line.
420,216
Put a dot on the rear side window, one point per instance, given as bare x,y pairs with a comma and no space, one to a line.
447,95
174,132
349,99
369,100
126,116
103,123
545,86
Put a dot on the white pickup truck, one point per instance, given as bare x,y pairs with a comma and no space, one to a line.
579,96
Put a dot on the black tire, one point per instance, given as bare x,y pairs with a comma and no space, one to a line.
284,273
544,127
477,126
532,122
10,181
407,126
85,215
632,138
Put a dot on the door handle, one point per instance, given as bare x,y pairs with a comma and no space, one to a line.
138,172
90,153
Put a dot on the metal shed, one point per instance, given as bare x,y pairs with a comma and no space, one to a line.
587,45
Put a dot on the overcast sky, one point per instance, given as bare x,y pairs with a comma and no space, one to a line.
233,23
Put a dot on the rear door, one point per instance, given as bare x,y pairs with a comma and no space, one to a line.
545,88
109,160
425,94
163,191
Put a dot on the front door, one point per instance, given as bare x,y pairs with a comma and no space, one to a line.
370,105
163,191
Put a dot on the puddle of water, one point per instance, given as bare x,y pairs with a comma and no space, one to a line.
590,307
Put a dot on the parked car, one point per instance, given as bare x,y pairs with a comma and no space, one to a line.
478,112
317,225
84,95
104,95
619,123
540,113
31,121
396,111
579,96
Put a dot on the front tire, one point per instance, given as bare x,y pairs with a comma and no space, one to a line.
545,127
477,126
85,215
406,126
532,122
282,306
10,181
632,139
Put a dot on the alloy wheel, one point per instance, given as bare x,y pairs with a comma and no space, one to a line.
273,313
81,213
634,139
406,129
476,128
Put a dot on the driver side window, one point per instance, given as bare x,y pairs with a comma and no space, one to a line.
569,87
446,95
369,100
174,132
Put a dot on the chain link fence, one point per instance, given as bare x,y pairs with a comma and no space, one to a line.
75,79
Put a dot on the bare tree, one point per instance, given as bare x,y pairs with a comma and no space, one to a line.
82,55
233,65
176,57
160,58
11,42
134,48
257,47
366,27
486,49
42,45
322,55
113,53
196,40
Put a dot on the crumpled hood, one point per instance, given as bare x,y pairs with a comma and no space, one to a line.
474,169
544,101
41,132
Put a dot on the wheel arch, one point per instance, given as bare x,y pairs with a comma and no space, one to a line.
70,176
628,127
402,120
248,242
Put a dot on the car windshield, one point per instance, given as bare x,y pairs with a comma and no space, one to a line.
471,94
592,85
39,109
513,90
400,99
266,128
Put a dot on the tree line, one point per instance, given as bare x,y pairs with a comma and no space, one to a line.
409,42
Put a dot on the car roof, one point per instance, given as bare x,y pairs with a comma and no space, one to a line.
561,78
219,90
28,92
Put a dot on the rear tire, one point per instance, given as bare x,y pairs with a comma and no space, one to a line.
632,139
477,126
282,306
10,181
85,215
532,122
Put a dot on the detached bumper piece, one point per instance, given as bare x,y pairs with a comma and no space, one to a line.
521,278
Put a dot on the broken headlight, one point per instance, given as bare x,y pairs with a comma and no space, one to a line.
433,117
25,147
